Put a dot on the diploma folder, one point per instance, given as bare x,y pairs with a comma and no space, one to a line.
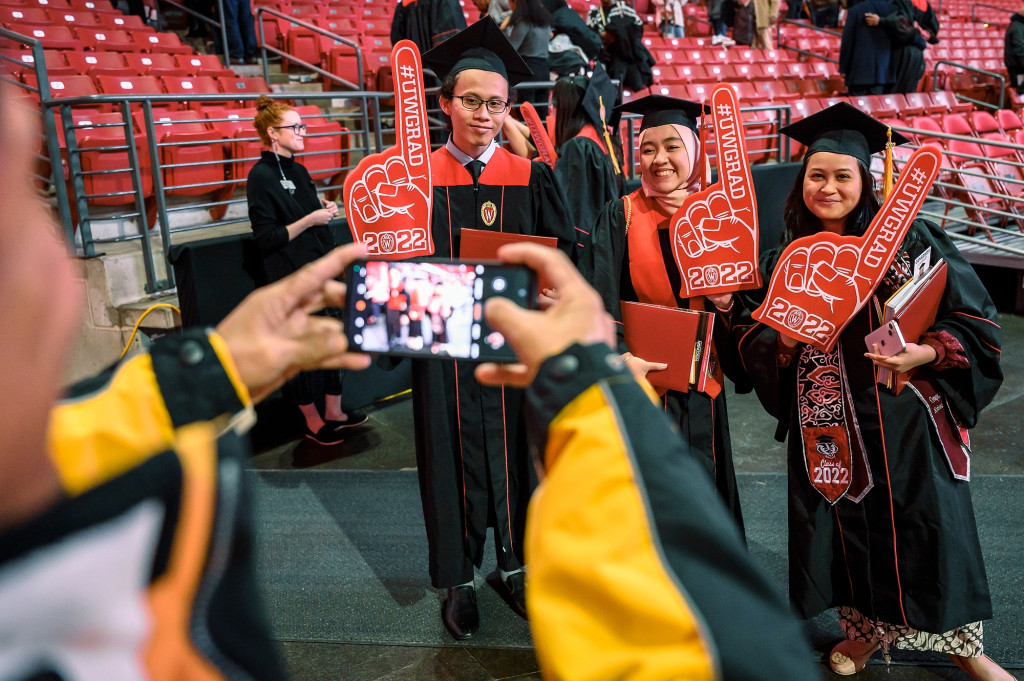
483,244
913,307
678,337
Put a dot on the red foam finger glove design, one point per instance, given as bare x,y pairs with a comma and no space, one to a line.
388,195
545,149
714,233
823,280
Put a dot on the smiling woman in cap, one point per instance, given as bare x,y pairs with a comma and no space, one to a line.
901,561
631,259
474,467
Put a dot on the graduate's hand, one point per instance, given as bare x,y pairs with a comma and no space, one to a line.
823,280
40,307
914,355
576,316
871,19
387,196
714,232
640,367
273,334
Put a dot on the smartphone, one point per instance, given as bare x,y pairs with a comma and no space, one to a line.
888,338
432,308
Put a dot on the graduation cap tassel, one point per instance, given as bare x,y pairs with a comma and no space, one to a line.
608,140
887,174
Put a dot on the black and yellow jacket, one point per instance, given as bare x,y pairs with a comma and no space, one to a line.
145,569
636,569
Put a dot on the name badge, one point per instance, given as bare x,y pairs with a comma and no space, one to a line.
288,184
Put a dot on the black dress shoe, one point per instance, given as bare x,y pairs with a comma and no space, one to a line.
459,612
516,585
326,436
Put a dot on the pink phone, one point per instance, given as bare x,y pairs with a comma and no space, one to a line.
888,339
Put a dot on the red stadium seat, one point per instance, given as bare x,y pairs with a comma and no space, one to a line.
62,87
203,65
16,18
127,22
1009,121
103,154
167,43
108,39
54,37
917,104
155,64
247,86
977,190
192,85
191,154
243,143
98,63
75,18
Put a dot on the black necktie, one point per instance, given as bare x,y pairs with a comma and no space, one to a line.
475,168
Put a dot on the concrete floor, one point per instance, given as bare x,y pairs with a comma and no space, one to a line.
386,443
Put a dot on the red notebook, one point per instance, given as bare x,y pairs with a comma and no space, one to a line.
914,308
482,244
680,338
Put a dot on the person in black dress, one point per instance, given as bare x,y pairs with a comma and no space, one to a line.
290,228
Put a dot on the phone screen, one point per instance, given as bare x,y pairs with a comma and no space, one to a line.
431,308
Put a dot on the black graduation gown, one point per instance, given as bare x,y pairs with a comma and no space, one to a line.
428,23
587,172
473,465
702,421
908,553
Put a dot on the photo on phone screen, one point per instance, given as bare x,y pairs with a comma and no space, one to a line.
430,308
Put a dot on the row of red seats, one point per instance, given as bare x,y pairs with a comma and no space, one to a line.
87,5
987,178
715,73
20,18
184,86
61,63
68,37
200,152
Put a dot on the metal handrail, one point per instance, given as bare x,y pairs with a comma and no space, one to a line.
205,19
966,67
1001,10
260,11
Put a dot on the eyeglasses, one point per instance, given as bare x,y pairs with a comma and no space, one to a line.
494,106
299,128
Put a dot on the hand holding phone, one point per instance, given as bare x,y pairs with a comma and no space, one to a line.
432,308
887,338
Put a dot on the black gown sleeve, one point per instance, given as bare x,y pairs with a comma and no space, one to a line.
967,312
551,214
606,253
585,172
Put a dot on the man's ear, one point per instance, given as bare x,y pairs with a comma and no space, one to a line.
446,105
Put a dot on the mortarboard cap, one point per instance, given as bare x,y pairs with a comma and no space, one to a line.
600,89
661,110
481,46
843,129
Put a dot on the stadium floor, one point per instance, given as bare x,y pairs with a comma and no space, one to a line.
403,638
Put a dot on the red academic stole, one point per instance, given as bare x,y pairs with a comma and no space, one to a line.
834,453
647,266
590,132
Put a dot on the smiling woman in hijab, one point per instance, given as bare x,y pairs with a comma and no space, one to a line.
632,260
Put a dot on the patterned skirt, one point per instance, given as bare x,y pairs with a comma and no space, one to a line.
964,641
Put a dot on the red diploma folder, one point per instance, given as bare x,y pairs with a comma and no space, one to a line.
680,338
914,308
482,244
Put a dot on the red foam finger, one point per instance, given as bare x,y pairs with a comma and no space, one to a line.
718,251
388,195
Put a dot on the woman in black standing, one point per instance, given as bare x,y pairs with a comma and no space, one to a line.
290,229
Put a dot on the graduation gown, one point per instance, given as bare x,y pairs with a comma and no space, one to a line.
908,552
428,23
703,421
585,167
473,466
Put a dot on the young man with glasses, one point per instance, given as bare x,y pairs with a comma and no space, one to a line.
470,440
